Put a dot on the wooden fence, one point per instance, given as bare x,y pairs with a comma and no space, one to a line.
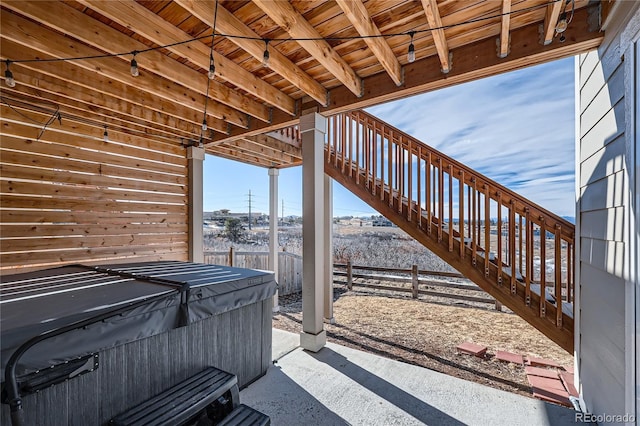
418,280
289,265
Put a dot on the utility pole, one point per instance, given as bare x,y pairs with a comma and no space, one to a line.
249,210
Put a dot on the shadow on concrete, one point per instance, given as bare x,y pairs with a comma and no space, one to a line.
436,358
286,403
391,393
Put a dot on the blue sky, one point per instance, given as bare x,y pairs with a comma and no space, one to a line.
516,128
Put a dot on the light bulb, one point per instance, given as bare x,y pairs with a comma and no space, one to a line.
562,24
212,68
411,53
204,125
134,67
105,135
8,79
8,76
265,55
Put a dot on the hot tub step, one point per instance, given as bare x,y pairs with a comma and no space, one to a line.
184,401
245,416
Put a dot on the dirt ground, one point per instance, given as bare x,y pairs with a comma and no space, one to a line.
426,331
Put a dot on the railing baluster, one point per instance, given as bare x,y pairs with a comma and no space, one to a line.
557,254
450,207
427,187
529,257
398,185
343,142
374,167
419,186
487,229
461,212
359,129
543,268
512,244
440,197
390,165
410,183
472,226
499,235
382,179
520,242
365,153
401,189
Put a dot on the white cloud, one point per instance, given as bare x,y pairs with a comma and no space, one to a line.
516,128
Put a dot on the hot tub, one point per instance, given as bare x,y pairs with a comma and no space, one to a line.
172,319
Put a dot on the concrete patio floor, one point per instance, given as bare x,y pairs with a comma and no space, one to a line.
340,385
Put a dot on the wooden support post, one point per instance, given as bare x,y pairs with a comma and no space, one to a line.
349,275
313,128
414,281
273,229
195,160
498,306
232,256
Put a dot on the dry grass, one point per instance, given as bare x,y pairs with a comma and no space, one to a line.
426,333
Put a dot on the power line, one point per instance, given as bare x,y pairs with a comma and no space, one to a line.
250,199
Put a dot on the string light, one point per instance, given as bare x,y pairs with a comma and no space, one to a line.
212,67
105,135
411,53
8,76
265,55
345,38
134,65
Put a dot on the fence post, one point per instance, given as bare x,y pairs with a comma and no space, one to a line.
414,281
349,275
232,256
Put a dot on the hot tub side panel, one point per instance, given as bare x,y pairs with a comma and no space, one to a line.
238,341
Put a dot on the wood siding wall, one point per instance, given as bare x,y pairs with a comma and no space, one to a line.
603,209
70,197
237,341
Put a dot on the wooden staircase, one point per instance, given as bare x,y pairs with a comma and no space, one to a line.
492,235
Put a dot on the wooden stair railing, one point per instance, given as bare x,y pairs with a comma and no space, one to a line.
509,246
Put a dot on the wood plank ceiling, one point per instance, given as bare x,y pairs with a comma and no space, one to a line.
347,54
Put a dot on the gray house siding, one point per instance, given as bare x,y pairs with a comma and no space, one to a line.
604,191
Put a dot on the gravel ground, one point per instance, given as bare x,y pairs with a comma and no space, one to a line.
426,331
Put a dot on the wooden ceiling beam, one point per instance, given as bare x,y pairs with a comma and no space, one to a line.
248,158
93,32
503,47
437,32
102,91
359,17
290,20
551,20
227,23
29,34
477,60
273,155
144,22
276,144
